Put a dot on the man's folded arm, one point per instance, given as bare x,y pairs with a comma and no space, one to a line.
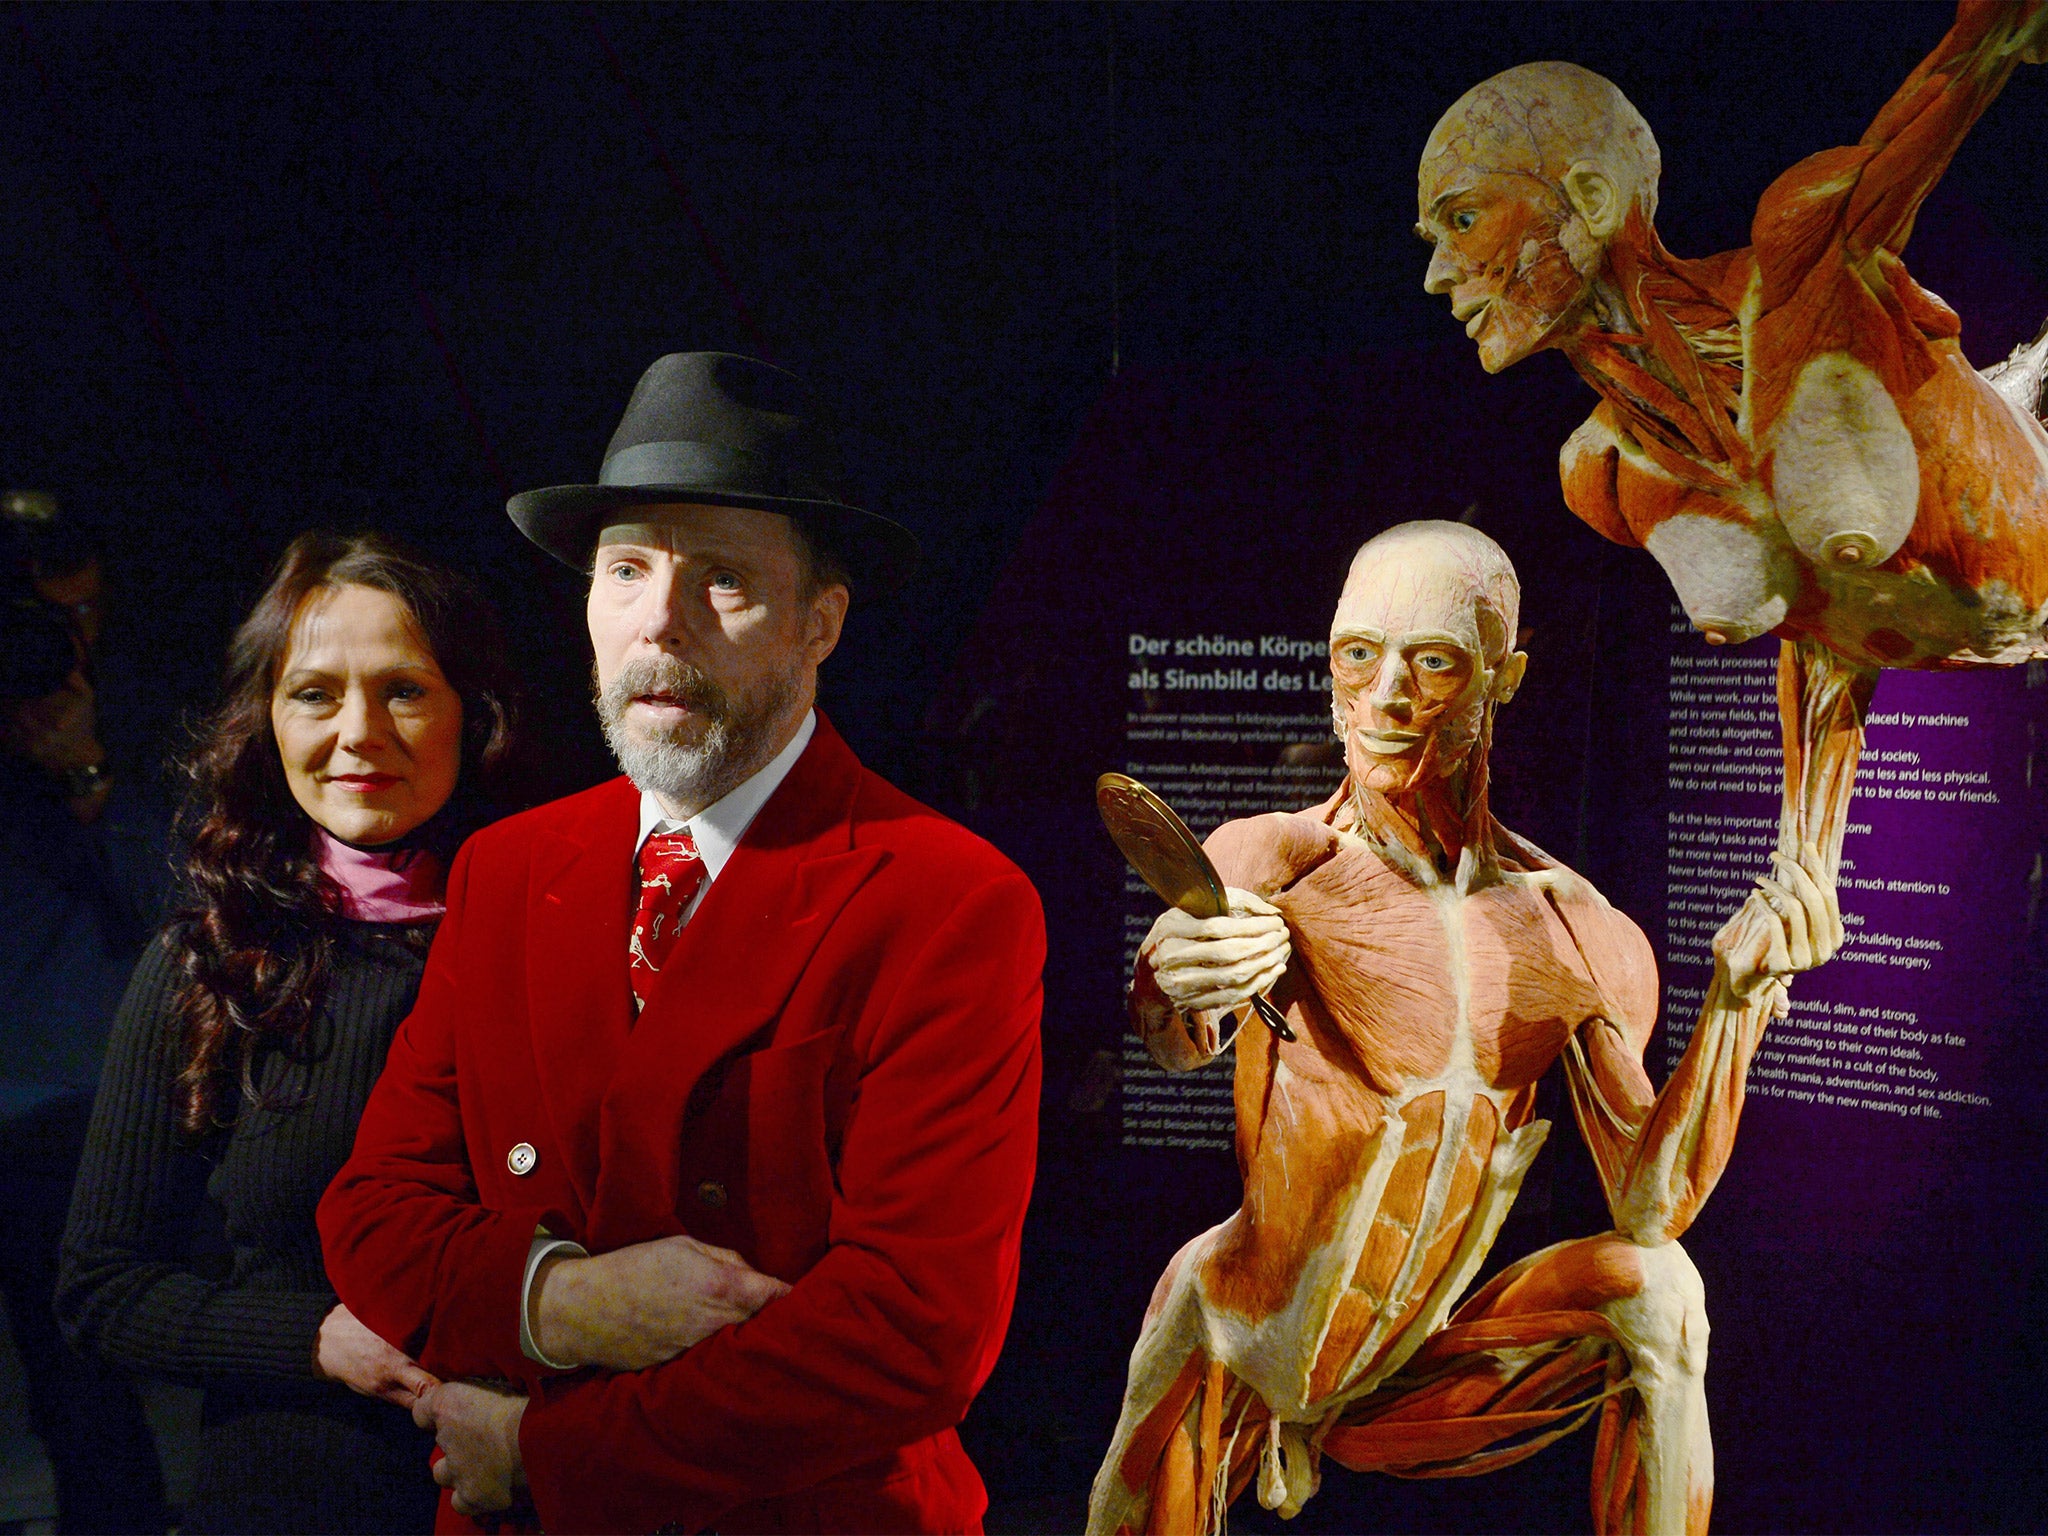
407,1245
887,1338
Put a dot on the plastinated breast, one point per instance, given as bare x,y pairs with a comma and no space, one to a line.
1737,579
1845,476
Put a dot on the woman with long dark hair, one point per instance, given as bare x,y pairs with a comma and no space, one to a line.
367,714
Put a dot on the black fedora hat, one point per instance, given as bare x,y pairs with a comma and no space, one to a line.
728,431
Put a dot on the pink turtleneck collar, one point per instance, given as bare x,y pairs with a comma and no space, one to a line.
401,886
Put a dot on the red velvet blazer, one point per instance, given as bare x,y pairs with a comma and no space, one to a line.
837,1076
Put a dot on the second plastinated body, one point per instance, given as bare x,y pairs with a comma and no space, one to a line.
1433,967
1792,428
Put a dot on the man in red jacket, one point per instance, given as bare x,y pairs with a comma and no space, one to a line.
712,1131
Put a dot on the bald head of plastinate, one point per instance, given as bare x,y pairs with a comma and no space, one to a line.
1421,649
1523,184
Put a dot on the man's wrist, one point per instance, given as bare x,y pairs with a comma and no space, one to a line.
514,1456
553,1333
544,1337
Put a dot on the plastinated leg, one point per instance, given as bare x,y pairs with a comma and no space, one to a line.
1653,1466
1189,1453
1599,1326
1187,1439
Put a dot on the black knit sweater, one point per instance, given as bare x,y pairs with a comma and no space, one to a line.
200,1260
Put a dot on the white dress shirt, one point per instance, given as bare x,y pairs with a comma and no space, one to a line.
716,830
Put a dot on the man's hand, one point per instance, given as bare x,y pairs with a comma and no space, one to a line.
1788,925
1218,962
640,1306
349,1353
477,1429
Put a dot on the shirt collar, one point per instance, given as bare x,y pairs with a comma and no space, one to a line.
718,828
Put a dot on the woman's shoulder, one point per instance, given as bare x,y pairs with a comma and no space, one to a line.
178,952
161,965
146,1031
395,947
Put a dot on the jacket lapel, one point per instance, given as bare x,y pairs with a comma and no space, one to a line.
581,1004
727,980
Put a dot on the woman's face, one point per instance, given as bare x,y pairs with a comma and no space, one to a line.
369,729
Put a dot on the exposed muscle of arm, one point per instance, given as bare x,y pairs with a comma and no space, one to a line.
1686,1141
1611,1100
1867,195
1659,1154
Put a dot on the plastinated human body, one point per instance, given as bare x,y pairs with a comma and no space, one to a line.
1792,429
1433,966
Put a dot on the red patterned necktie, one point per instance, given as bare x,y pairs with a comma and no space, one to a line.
671,871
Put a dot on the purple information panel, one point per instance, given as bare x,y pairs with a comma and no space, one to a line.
1875,1241
1940,878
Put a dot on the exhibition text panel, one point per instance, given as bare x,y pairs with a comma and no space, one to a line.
1220,726
1937,884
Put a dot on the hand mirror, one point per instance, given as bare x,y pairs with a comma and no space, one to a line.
1158,845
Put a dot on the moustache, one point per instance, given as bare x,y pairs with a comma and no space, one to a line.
668,678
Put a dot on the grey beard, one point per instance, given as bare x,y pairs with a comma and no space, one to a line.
736,744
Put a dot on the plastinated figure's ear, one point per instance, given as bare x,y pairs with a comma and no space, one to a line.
1592,194
1508,676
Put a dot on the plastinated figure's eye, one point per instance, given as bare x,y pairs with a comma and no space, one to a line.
1433,661
1464,220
